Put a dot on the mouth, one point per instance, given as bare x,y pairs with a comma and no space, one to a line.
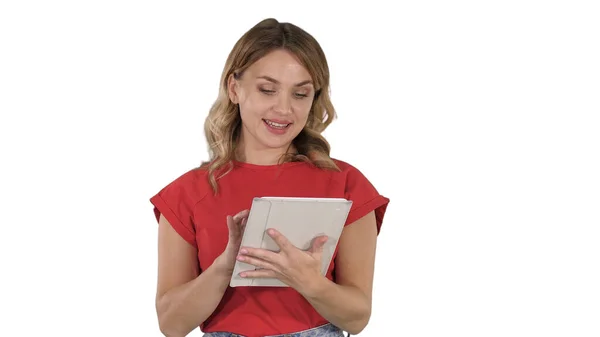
276,125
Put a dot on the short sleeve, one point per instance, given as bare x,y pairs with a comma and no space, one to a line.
176,203
365,198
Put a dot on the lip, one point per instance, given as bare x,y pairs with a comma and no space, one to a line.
278,121
274,130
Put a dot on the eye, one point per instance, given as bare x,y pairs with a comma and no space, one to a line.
300,96
265,91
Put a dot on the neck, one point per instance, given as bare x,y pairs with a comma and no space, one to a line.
260,155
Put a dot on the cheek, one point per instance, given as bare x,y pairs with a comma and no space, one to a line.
302,109
254,105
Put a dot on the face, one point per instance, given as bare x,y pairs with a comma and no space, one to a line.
275,95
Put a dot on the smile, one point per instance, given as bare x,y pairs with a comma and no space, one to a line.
276,125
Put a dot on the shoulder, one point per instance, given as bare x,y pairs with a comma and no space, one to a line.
191,185
344,166
177,200
347,171
193,177
361,191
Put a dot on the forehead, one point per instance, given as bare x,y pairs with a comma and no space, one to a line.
281,65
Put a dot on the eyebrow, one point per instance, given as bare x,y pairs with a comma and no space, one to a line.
271,79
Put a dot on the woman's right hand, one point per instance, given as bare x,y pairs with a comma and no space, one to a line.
235,226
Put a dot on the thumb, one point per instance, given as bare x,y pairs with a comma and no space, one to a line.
318,244
230,225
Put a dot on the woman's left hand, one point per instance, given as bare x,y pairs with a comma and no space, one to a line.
297,268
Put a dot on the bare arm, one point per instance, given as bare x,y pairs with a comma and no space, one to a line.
184,297
347,304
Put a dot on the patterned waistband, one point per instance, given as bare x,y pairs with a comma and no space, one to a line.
327,330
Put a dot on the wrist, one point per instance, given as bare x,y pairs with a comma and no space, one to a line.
221,267
316,287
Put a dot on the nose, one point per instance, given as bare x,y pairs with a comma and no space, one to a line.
283,105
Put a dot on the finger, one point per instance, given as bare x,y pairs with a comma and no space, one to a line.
242,225
241,216
280,240
318,244
262,264
260,273
230,225
263,254
236,222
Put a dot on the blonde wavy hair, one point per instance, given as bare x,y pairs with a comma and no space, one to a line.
223,123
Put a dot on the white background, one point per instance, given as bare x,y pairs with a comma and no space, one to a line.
478,119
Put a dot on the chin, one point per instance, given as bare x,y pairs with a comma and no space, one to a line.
278,139
276,143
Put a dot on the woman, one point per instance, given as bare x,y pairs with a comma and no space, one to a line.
264,134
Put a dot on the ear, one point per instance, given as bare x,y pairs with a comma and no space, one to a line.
232,89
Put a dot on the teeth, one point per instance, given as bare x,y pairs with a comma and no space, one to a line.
276,125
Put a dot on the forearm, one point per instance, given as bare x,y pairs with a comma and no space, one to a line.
344,306
184,308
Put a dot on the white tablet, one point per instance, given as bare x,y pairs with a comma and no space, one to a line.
300,220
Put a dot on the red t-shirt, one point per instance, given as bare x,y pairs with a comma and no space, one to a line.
190,205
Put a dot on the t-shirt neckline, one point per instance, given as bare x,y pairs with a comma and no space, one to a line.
266,167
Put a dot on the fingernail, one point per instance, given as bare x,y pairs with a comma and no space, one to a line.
240,258
243,274
271,231
243,251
